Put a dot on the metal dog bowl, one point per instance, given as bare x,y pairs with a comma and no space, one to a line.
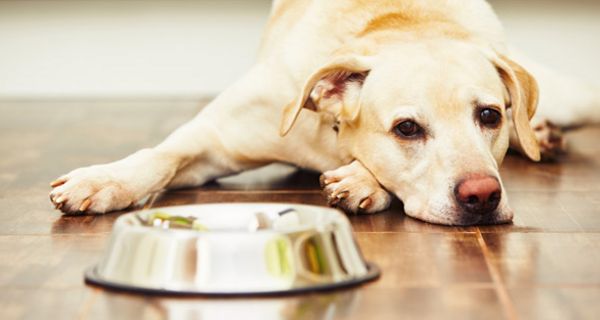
232,249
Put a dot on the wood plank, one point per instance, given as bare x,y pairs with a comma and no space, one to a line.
425,259
364,303
556,302
48,262
35,304
552,211
530,259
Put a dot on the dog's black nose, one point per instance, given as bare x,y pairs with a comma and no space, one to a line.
478,194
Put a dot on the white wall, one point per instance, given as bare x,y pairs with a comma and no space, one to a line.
93,48
563,34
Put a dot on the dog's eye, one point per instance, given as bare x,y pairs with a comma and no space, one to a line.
489,117
408,129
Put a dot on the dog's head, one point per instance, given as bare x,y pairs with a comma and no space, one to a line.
431,122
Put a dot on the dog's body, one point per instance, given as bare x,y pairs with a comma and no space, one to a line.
371,72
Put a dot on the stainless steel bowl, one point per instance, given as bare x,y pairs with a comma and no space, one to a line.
232,249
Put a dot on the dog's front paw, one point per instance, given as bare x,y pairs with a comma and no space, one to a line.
550,139
353,189
91,190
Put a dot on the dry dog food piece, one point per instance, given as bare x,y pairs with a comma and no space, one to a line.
167,221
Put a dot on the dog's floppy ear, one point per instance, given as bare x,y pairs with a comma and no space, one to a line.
333,88
523,91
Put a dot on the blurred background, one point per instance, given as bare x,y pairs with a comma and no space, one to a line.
194,49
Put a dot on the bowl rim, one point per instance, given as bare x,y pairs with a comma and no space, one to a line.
341,215
92,277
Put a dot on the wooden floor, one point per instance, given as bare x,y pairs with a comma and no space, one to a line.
545,266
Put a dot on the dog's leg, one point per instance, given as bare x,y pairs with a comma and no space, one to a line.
232,134
354,189
550,138
564,102
191,156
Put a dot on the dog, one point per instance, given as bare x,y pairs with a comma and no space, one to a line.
418,99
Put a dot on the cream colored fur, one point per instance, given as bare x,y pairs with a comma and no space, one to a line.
429,60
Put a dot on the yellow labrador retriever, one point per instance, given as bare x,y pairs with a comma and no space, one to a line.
416,98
